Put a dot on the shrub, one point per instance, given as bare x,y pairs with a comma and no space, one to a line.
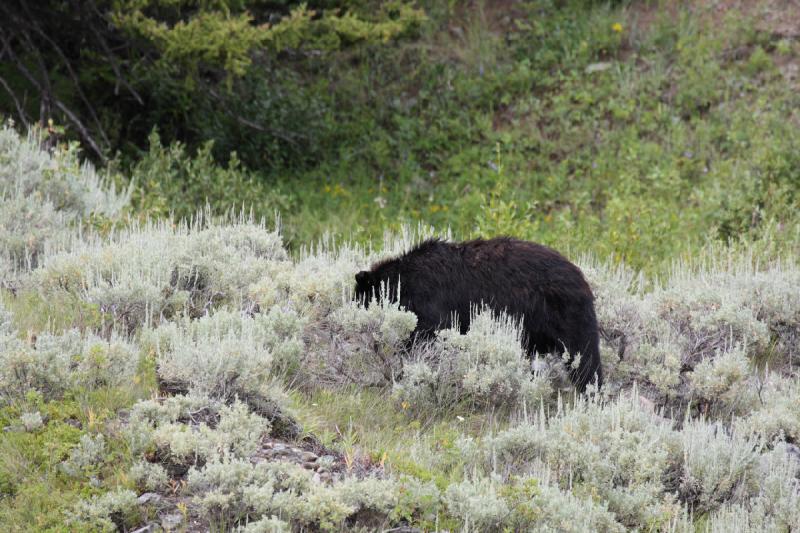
86,458
718,465
777,415
157,270
270,524
486,367
149,476
57,363
110,512
231,431
31,421
620,449
724,381
43,196
370,343
228,353
477,503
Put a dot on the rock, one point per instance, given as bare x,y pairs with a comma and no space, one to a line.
170,521
793,449
316,478
149,498
308,457
309,465
149,528
279,450
74,422
597,67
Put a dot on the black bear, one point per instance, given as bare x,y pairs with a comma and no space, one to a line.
437,280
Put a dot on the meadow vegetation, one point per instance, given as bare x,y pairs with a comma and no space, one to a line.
179,345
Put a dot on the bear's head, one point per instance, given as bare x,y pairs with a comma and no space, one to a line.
377,283
364,287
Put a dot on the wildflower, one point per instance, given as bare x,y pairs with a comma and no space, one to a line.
617,27
404,405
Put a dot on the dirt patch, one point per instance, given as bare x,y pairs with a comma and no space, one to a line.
779,18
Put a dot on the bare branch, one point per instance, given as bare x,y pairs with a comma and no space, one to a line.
288,137
72,75
20,110
111,58
84,132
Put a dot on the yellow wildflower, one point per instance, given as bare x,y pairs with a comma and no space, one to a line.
617,27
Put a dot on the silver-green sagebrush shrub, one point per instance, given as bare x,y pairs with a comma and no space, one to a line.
486,367
777,414
55,363
31,421
85,458
219,431
271,524
234,491
149,476
112,511
42,195
477,503
154,271
237,435
229,352
718,465
367,344
700,337
620,449
775,506
725,383
317,284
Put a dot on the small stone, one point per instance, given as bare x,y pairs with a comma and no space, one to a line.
308,457
171,520
149,498
149,528
309,465
316,478
793,449
74,422
281,449
598,67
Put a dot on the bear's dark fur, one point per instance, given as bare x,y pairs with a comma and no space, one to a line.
524,279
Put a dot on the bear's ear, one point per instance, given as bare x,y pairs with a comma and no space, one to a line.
362,277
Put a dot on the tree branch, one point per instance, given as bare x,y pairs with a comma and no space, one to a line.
289,138
84,132
111,59
20,109
71,72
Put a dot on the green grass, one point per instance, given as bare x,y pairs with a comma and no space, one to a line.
689,135
35,494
